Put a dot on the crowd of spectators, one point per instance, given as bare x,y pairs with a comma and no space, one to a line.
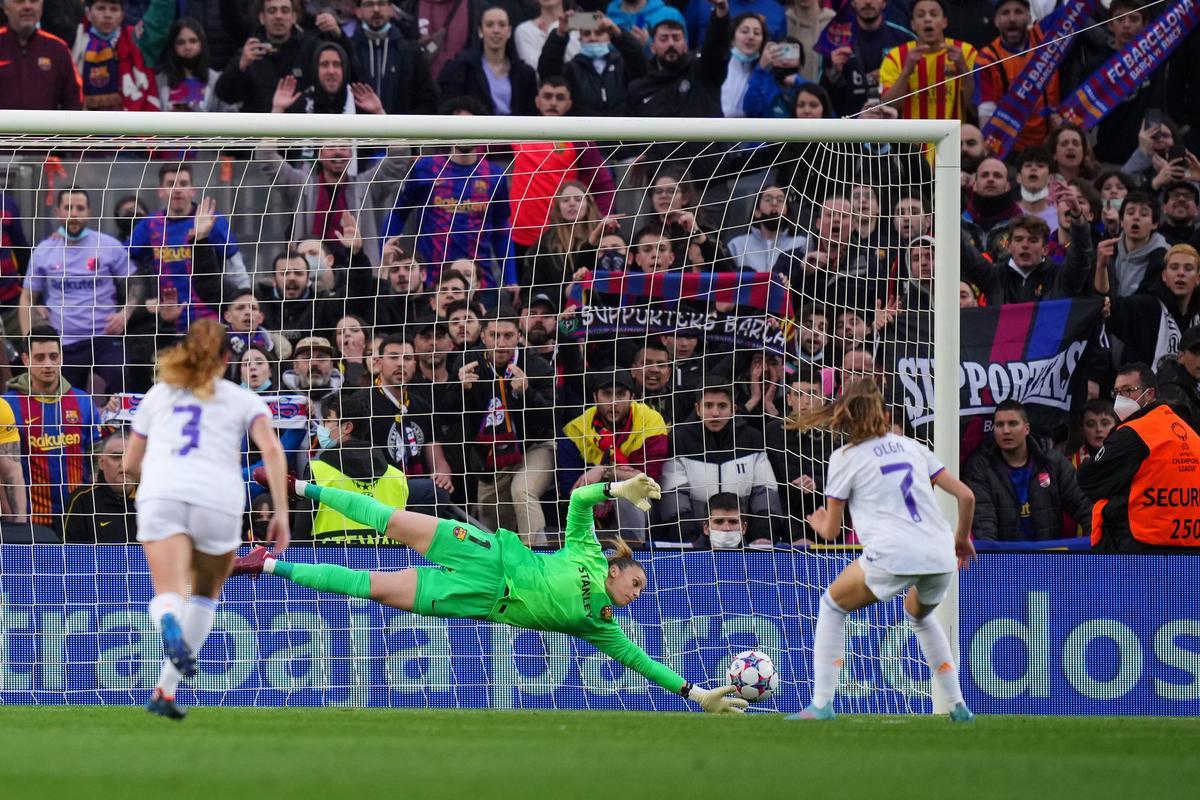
429,302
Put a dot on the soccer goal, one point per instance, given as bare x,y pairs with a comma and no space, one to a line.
766,260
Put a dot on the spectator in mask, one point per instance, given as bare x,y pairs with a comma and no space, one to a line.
1143,482
346,460
1134,388
725,526
770,236
598,75
395,68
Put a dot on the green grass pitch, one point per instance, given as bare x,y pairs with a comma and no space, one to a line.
350,754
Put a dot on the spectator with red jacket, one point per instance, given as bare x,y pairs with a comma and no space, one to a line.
539,170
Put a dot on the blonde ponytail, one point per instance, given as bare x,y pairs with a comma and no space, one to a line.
198,360
859,413
622,557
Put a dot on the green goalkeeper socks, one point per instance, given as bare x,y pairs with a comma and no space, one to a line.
359,507
327,577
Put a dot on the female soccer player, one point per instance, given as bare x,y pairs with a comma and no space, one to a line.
496,577
186,447
907,544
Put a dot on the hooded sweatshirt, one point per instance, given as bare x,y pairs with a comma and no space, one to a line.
314,99
1130,269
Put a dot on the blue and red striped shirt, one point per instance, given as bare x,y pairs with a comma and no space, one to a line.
57,434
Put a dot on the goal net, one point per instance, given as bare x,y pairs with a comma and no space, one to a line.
501,310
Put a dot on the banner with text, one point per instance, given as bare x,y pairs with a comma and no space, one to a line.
1014,108
1129,68
740,330
1039,633
1021,351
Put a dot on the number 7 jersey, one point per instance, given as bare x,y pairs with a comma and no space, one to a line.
888,484
194,446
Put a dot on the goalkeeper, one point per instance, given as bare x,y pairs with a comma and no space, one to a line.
496,577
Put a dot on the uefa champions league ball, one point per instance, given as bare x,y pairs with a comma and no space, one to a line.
753,674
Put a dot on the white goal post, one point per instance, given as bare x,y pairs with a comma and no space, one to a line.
34,129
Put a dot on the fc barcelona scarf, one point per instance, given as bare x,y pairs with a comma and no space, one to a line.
1018,102
1129,68
504,449
115,76
840,30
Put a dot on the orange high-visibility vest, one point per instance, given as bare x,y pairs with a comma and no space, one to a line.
1164,495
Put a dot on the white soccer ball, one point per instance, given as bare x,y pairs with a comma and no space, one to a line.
753,674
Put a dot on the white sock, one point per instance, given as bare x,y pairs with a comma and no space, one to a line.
197,625
269,565
165,603
936,648
829,650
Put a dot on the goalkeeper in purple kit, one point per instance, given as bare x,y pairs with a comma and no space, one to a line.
495,577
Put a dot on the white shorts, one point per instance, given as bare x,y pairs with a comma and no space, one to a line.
212,532
884,585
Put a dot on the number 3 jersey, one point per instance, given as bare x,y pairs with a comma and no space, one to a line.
194,446
888,484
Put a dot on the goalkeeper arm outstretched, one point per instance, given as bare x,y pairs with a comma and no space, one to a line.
495,577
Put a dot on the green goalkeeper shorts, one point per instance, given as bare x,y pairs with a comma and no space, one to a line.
470,578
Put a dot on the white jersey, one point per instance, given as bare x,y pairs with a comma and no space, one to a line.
887,482
194,446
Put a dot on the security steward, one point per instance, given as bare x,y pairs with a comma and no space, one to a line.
1145,482
346,461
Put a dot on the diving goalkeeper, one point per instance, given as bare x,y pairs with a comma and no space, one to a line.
495,577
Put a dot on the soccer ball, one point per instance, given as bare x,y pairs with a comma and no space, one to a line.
753,674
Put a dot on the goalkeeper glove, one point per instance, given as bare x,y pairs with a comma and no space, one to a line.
639,490
717,701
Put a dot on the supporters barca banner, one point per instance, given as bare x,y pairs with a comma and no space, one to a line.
1021,351
1018,103
748,331
1122,74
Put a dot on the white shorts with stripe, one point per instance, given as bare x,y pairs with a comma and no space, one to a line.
884,585
212,532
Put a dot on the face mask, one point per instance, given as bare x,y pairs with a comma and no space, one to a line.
379,32
266,385
1033,197
325,437
593,50
771,223
314,264
725,540
1126,406
745,58
125,226
610,261
108,37
62,231
259,528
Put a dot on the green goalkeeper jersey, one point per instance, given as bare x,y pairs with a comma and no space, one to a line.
565,591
